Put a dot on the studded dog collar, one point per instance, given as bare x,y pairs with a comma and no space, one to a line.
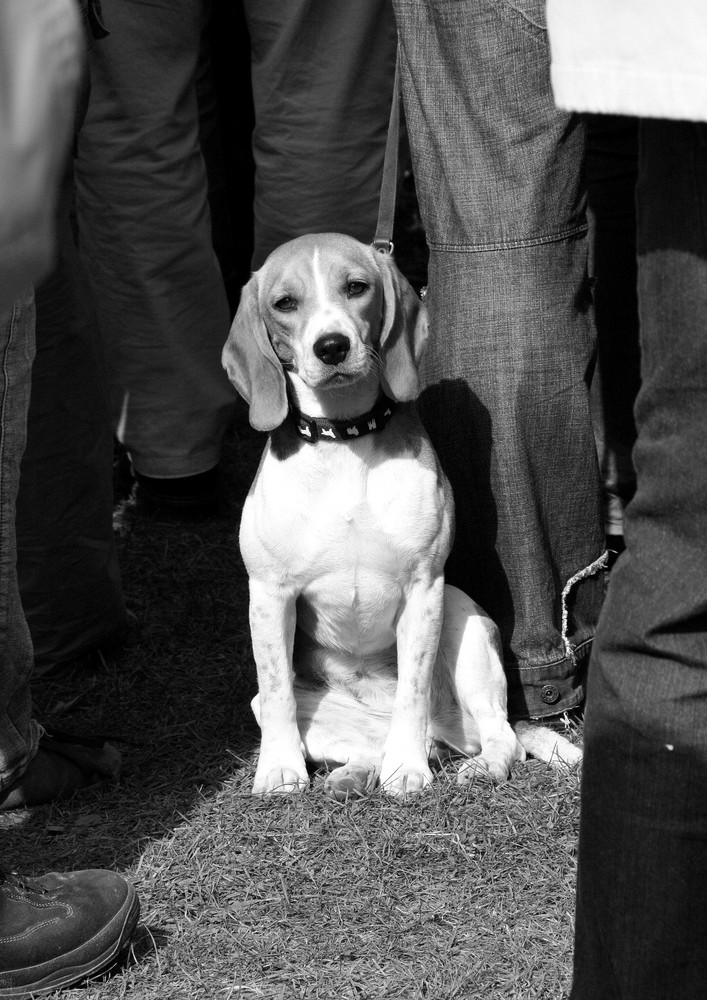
321,429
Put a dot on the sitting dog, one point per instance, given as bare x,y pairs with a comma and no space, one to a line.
366,660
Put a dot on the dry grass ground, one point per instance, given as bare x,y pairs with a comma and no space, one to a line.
458,894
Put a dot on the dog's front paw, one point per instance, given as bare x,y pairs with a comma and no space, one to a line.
280,779
495,762
487,770
402,779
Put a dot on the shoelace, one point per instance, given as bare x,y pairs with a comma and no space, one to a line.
21,882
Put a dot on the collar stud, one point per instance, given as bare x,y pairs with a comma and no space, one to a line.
320,429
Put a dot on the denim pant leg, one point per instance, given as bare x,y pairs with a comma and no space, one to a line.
641,931
67,561
18,733
498,171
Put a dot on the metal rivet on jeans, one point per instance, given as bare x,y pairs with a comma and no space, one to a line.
550,694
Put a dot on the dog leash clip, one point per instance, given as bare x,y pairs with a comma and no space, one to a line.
383,246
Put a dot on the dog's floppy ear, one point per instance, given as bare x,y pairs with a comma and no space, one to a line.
252,364
403,333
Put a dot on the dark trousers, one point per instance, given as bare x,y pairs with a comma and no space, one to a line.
641,929
67,561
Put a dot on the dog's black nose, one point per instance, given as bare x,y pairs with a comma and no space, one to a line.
332,348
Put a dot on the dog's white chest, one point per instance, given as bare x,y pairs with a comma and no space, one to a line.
345,511
346,542
356,570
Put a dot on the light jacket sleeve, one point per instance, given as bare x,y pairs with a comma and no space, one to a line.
41,48
635,57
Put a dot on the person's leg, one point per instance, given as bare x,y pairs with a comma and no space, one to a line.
145,234
322,87
34,767
19,734
641,903
612,167
498,172
67,562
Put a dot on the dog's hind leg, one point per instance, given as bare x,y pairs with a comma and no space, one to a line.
470,656
344,734
354,780
469,661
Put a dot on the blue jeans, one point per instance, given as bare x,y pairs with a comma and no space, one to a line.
641,931
18,733
499,178
67,561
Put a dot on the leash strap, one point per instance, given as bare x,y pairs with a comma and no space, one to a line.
383,240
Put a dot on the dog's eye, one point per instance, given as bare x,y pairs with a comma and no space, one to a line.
356,288
286,304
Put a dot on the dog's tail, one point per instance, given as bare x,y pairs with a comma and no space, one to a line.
541,742
336,727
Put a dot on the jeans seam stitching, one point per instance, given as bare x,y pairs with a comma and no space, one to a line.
522,667
580,647
511,14
508,244
517,18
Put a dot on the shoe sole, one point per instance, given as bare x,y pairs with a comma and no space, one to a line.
70,975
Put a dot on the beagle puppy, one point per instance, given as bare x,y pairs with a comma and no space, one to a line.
366,660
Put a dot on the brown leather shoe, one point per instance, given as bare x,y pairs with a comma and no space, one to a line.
61,928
